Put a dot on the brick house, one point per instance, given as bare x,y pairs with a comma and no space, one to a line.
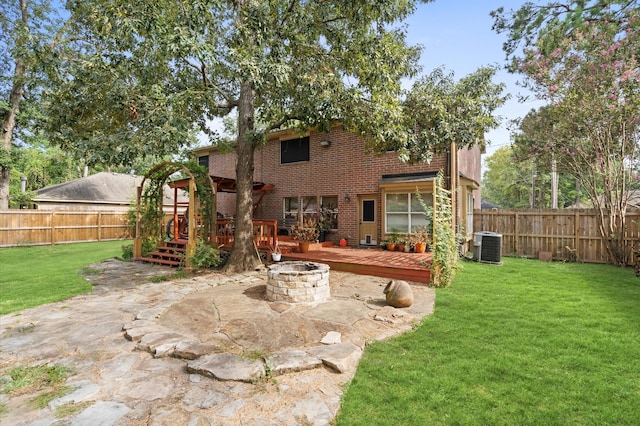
369,195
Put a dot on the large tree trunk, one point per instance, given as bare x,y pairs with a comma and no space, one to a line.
8,125
243,253
9,119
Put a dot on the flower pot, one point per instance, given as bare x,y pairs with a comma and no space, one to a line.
420,247
304,246
400,247
343,242
276,257
391,246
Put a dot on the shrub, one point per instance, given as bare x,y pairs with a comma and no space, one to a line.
127,252
205,256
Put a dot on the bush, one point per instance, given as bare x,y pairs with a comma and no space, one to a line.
127,252
205,256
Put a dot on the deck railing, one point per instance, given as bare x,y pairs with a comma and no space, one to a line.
265,233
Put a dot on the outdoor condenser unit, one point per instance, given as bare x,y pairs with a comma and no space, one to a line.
487,247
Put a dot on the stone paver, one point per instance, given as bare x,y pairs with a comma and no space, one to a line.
204,350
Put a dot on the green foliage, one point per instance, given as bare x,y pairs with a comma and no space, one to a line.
151,202
443,111
525,343
348,55
444,246
555,21
507,182
582,59
205,257
47,382
127,252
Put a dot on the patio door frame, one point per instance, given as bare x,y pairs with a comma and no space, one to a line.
367,230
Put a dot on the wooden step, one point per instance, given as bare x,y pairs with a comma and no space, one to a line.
158,261
165,255
182,244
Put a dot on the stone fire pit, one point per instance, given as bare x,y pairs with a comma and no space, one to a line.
298,282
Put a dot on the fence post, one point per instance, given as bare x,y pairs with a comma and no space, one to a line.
516,232
99,226
576,232
53,227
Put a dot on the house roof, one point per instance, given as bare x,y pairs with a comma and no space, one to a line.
100,188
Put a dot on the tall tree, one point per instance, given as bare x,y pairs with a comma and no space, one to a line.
152,73
583,58
515,180
505,183
28,31
440,111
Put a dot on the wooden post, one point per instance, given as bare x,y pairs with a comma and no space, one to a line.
53,227
137,241
433,211
193,226
516,233
576,234
453,179
99,226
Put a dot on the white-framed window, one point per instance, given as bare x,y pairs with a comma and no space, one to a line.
294,206
329,208
309,207
404,213
469,229
291,208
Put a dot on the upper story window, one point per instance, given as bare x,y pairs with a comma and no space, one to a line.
294,150
203,160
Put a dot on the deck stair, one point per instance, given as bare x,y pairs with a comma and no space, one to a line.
171,254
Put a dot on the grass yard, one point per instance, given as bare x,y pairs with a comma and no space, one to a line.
526,343
32,276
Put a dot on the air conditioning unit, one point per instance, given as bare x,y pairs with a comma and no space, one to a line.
487,247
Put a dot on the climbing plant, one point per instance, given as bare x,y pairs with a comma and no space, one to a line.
150,214
445,255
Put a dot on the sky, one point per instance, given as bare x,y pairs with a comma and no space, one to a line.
457,35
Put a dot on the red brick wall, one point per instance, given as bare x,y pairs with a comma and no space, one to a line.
340,169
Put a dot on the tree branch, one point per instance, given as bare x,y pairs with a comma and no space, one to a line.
207,84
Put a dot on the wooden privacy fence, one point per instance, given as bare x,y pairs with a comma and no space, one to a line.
567,234
40,227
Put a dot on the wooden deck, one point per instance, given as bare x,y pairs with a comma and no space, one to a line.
365,261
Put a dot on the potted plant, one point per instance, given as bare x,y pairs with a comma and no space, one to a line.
324,223
421,238
276,254
392,241
305,233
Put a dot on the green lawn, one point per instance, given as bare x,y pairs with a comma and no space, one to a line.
526,343
32,276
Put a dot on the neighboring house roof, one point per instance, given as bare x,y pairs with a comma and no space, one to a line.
100,188
487,205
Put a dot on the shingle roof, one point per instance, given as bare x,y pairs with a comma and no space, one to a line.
103,188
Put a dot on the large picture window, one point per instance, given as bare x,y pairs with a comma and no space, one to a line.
404,213
294,207
294,150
